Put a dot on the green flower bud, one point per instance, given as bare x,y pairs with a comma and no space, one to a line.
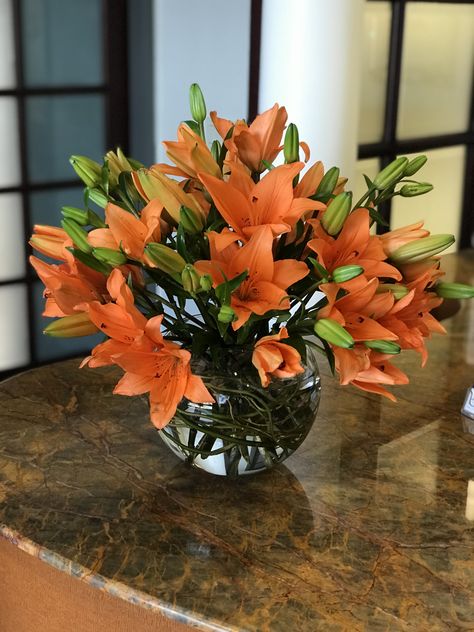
391,174
80,216
383,346
226,314
205,282
454,290
398,290
98,197
336,213
108,255
191,221
216,150
190,279
328,182
89,171
165,259
416,188
423,248
414,165
331,331
197,103
73,326
291,146
346,273
77,234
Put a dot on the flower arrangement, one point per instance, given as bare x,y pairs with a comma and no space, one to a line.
231,250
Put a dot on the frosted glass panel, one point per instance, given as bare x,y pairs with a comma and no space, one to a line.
9,146
59,126
45,206
14,348
12,239
441,208
48,348
436,74
7,58
62,42
374,44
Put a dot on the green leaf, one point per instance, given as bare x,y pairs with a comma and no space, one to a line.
194,126
224,290
318,268
376,216
297,343
90,261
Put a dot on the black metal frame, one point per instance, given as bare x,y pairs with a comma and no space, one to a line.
389,147
114,89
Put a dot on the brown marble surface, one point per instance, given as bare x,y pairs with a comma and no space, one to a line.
369,526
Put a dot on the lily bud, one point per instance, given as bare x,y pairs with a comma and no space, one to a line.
291,146
80,216
190,279
414,165
110,256
191,221
89,171
336,213
420,249
205,282
454,290
98,197
383,346
331,331
417,188
197,103
391,174
77,234
346,273
216,150
71,326
328,182
165,259
226,314
398,290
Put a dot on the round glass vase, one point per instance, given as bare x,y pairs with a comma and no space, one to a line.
249,428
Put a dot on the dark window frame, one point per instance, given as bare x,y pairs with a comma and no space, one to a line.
115,91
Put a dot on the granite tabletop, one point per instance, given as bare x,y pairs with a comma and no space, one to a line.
368,526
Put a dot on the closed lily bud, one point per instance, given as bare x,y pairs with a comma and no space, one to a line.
89,171
398,290
110,256
420,249
205,282
77,234
391,174
416,188
346,273
165,259
414,165
291,145
71,326
331,331
454,290
328,182
226,314
336,213
79,215
383,346
98,197
191,221
190,279
216,150
197,103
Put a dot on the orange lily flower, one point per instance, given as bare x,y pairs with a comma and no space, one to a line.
274,358
392,240
152,364
128,232
50,241
257,142
413,271
264,288
310,181
191,154
246,206
353,245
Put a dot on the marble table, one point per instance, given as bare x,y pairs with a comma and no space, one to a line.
369,526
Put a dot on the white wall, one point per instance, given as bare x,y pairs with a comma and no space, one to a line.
203,41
